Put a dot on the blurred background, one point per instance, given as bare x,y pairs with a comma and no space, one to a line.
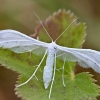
18,15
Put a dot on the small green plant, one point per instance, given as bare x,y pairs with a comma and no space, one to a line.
78,87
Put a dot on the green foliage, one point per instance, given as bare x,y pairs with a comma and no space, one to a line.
78,87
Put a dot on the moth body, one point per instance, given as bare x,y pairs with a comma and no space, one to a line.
48,69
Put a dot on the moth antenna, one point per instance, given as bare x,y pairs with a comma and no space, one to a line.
43,26
65,30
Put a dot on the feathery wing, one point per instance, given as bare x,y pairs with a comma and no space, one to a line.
85,57
19,42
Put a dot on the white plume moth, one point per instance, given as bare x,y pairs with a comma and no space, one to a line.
19,43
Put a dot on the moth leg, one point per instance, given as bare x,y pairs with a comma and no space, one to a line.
63,74
58,69
60,55
30,53
36,77
34,72
53,77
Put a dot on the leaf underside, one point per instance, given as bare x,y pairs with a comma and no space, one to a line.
78,87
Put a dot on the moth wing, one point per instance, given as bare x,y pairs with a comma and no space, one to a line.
19,42
85,57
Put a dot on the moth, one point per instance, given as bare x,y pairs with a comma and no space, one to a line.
19,43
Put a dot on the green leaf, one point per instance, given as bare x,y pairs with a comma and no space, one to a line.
78,87
57,24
